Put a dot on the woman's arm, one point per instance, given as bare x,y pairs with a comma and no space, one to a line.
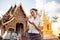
38,28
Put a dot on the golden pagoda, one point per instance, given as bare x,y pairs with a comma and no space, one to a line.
59,30
47,30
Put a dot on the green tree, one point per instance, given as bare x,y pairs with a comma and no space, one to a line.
55,18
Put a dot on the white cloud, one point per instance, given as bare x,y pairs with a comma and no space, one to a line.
52,8
39,4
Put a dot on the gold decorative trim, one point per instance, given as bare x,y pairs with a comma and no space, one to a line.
9,21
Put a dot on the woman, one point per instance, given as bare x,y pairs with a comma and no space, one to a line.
35,25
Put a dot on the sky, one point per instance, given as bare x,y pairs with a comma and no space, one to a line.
6,4
51,7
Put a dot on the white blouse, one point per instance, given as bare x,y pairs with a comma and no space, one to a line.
37,21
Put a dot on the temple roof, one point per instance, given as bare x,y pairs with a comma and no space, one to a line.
7,17
21,8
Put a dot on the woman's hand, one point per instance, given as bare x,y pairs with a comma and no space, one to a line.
32,23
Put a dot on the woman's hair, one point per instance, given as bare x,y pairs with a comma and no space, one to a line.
34,9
